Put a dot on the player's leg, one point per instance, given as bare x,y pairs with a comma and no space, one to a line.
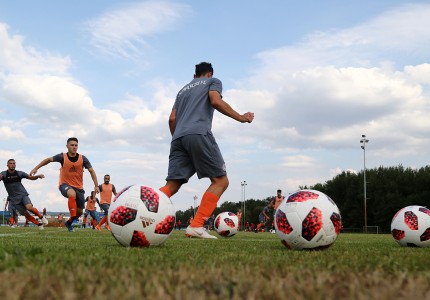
209,200
171,187
84,220
80,202
20,207
29,206
93,218
13,219
68,192
180,168
208,161
105,208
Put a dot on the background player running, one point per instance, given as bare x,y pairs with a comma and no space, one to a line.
18,195
106,191
71,183
90,209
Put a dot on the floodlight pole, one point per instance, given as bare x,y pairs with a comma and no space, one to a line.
195,198
4,207
242,207
364,141
243,183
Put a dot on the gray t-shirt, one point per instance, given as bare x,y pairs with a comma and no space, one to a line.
194,112
13,185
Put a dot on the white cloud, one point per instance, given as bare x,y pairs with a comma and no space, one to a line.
298,161
339,84
8,133
124,32
15,58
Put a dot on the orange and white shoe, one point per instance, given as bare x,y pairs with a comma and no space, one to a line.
99,228
107,227
198,232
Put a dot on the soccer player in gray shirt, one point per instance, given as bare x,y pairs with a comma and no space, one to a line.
18,195
193,148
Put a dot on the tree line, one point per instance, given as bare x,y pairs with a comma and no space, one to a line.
388,189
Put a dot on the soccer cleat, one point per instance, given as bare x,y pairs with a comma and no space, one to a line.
69,226
107,227
13,226
75,223
198,232
40,225
44,221
99,228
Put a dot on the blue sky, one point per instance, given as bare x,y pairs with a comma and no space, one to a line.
317,75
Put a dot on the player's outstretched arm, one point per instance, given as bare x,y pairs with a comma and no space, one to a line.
94,178
225,108
35,177
41,164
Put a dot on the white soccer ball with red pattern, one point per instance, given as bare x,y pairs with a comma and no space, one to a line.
308,219
226,224
140,216
411,226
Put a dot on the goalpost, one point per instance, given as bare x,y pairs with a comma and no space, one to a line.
371,229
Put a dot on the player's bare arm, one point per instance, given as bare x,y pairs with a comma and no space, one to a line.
35,177
225,108
94,178
41,164
172,121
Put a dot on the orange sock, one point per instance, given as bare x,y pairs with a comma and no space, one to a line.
11,220
37,213
93,222
206,208
84,221
72,207
103,220
166,191
32,219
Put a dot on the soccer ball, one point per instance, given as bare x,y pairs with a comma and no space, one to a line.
308,219
140,216
411,226
226,224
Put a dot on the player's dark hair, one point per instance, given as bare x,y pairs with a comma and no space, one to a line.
72,139
203,68
107,175
11,159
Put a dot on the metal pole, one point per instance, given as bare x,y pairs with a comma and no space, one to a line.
244,199
4,207
195,198
243,183
241,206
364,141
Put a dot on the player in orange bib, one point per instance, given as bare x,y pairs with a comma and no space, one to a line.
106,191
90,209
278,200
71,183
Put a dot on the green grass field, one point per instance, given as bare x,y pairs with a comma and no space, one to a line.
56,264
